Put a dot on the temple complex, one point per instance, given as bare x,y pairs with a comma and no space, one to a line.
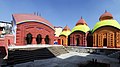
31,29
32,37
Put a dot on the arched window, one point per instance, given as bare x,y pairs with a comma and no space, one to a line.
29,38
47,39
39,39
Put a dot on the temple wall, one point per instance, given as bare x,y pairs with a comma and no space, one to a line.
110,34
34,28
81,37
8,40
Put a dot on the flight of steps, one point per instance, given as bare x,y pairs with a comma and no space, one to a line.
17,56
58,50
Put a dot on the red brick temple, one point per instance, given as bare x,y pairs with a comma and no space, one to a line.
106,32
79,33
63,38
32,29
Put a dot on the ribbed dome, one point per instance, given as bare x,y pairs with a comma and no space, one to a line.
106,16
81,22
81,26
66,31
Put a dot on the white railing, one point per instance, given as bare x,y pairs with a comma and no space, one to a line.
31,46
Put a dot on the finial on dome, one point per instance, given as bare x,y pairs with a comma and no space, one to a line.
106,16
81,22
105,11
81,17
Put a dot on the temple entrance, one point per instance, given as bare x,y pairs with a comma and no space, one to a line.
105,42
77,41
62,42
47,39
29,38
39,39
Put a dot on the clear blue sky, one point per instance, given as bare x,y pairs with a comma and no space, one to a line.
61,12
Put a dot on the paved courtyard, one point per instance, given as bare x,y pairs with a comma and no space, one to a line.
72,59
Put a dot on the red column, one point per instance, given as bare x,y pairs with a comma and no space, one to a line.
34,40
43,40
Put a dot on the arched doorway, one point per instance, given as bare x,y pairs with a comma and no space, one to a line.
29,38
105,42
47,39
77,41
62,42
104,39
39,39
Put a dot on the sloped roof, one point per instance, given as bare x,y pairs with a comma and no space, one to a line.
81,21
66,28
81,25
106,15
66,31
20,18
112,23
83,28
